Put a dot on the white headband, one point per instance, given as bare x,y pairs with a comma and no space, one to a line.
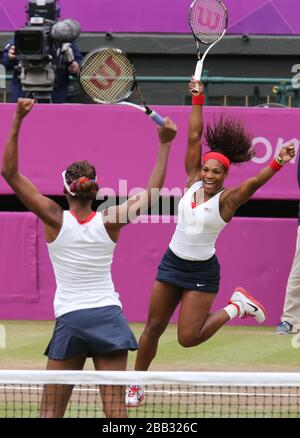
67,187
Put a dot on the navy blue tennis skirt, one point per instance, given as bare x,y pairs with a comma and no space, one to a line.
203,276
92,332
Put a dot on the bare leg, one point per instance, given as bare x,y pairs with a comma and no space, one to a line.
164,300
195,323
55,398
113,396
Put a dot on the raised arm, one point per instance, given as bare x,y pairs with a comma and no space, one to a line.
74,66
194,148
118,216
45,208
236,196
9,56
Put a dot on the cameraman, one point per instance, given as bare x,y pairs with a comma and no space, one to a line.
65,58
60,92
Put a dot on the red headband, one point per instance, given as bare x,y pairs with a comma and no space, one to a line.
217,156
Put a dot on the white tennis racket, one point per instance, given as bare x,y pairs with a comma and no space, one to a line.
208,20
108,76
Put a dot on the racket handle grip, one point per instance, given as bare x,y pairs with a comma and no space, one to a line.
156,118
197,75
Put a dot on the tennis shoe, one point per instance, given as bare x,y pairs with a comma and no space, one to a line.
247,305
284,328
134,396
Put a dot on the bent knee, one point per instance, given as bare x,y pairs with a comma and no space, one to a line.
188,340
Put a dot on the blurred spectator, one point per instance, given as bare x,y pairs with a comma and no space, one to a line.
291,309
60,92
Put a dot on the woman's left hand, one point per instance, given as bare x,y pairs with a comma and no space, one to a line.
196,85
287,153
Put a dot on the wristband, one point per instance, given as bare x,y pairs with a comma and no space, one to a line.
198,100
275,165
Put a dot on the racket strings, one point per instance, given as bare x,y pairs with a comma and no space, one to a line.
107,76
208,20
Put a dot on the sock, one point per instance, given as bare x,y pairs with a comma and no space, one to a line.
232,310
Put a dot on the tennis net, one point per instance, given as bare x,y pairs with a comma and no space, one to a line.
167,394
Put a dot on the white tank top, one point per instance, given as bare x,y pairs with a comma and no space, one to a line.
197,228
81,256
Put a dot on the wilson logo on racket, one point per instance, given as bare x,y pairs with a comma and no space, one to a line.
106,78
210,19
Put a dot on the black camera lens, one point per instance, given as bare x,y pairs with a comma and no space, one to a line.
29,43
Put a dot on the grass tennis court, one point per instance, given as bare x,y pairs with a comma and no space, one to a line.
231,349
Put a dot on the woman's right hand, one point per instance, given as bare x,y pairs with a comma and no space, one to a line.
24,107
167,132
196,85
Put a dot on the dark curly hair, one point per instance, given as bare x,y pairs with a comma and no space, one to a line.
230,138
81,177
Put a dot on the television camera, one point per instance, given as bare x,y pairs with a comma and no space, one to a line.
39,42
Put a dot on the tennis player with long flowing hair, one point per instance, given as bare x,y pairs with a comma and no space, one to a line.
89,318
189,273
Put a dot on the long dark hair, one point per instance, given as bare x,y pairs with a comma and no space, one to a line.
81,177
229,137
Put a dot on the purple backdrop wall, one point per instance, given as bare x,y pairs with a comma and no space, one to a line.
170,16
122,144
243,262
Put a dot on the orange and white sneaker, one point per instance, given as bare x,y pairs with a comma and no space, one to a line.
134,396
247,305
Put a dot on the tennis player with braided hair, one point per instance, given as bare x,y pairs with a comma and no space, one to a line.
189,271
89,319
